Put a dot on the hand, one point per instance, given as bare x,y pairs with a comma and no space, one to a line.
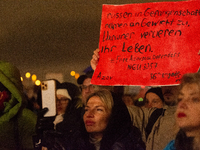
55,140
44,123
95,59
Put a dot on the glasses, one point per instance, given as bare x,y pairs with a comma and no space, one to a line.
62,100
84,87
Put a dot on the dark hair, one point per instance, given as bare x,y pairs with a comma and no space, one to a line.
157,91
88,74
72,89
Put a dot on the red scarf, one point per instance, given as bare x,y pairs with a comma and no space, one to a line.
4,97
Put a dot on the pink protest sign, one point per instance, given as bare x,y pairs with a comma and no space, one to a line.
148,44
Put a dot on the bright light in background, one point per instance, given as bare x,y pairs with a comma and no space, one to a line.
37,82
34,77
72,73
28,75
21,78
77,75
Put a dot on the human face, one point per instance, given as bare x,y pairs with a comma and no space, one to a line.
153,100
188,109
87,89
61,104
170,94
96,117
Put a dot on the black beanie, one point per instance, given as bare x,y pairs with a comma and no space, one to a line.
157,91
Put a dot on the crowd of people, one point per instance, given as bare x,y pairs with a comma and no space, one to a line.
93,117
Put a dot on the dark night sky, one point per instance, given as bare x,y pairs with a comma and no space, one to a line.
56,36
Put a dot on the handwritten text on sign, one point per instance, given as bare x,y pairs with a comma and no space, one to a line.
148,44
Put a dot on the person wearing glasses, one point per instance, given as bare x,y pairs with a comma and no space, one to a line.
66,121
85,85
62,100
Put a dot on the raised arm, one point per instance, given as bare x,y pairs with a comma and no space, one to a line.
95,59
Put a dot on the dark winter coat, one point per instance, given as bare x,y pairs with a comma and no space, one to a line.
119,134
60,138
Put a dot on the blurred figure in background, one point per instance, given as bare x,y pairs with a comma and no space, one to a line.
63,100
17,123
127,99
154,98
170,95
66,121
161,122
139,98
85,85
34,99
131,94
73,111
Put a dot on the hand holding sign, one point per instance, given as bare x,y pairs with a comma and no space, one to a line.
148,44
95,58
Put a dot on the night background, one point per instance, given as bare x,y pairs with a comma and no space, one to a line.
51,36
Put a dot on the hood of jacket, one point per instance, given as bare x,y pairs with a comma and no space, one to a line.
119,124
118,127
10,78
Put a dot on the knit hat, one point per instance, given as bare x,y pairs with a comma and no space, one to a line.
68,89
157,91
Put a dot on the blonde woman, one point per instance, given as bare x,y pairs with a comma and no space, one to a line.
187,114
107,125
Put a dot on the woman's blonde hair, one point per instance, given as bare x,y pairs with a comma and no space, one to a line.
105,96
